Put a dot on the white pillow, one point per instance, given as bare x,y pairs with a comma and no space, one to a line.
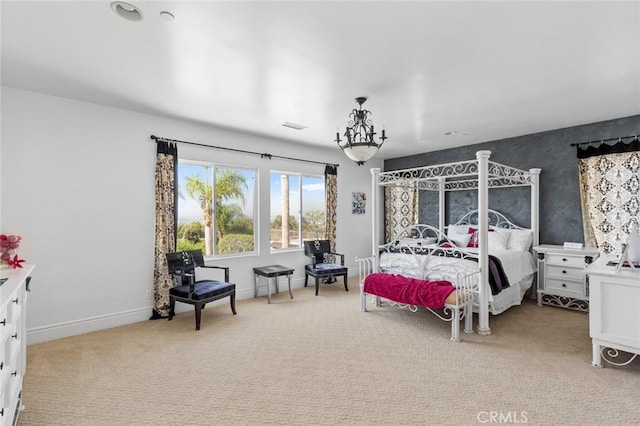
520,239
457,229
498,240
461,240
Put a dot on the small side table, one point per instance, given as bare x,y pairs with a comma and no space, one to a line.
269,272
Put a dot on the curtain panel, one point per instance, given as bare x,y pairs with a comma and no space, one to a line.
400,210
609,193
331,189
166,219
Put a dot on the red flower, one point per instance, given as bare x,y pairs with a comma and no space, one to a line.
15,262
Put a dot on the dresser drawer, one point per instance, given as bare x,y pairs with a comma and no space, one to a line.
564,260
565,272
571,288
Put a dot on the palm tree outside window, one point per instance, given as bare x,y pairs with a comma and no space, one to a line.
216,208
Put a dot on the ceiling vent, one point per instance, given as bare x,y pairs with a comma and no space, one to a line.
294,125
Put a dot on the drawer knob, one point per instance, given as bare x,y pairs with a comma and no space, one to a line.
15,373
564,272
2,412
14,336
15,300
1,365
564,259
564,285
3,322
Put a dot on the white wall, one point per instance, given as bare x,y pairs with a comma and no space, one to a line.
77,182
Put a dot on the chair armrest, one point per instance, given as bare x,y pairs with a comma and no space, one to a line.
226,270
341,257
183,274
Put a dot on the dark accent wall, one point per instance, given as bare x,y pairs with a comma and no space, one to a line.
551,151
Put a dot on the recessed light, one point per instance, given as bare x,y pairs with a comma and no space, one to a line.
127,11
166,16
294,125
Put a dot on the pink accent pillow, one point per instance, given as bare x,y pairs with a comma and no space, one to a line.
473,242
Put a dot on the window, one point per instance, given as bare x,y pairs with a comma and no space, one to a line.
301,198
216,208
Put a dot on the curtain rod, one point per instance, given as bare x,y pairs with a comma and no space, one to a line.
634,137
262,155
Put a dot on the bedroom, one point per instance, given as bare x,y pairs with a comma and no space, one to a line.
72,168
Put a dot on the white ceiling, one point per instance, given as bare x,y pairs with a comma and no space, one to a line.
488,70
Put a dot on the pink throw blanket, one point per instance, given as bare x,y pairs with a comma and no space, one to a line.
413,291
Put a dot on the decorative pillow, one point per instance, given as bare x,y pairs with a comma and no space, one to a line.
520,239
473,242
461,240
498,240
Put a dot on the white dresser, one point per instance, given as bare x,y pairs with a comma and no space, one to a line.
614,317
13,341
561,276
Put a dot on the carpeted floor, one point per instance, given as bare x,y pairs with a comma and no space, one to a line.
320,360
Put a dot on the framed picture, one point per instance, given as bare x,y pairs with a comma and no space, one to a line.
358,202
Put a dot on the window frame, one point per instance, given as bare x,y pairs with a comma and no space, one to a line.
301,177
254,202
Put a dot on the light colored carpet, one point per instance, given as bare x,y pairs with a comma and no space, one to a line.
320,360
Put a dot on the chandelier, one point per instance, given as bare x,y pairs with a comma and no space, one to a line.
360,144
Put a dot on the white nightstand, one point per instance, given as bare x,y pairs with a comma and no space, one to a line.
561,276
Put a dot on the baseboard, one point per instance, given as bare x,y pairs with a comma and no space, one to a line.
86,325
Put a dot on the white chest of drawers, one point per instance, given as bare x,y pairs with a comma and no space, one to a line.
13,341
614,315
561,276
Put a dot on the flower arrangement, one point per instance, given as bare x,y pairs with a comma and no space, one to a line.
9,245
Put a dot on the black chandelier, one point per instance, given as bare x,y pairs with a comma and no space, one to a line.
360,144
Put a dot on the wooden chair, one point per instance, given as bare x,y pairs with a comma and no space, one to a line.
182,266
324,264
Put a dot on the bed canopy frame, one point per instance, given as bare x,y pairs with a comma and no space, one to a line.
480,174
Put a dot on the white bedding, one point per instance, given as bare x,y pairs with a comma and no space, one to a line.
518,266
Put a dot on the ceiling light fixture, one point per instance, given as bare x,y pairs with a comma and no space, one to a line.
127,11
360,145
166,16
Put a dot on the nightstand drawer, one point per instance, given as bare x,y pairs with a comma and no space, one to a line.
565,272
566,286
564,260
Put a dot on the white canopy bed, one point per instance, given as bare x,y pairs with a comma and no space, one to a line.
480,174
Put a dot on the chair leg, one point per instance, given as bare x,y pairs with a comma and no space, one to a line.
317,284
172,307
233,303
345,282
198,315
306,277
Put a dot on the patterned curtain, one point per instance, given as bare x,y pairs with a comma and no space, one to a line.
400,209
331,188
166,219
609,193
